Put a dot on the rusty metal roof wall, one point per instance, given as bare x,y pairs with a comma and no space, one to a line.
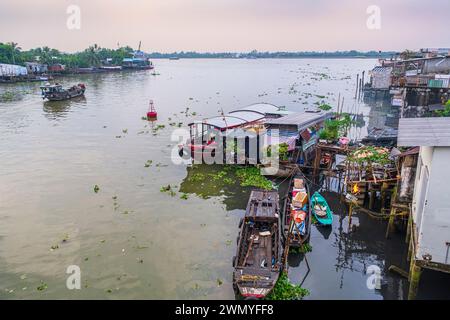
300,119
433,132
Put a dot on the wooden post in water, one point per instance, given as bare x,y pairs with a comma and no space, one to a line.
350,212
372,196
357,82
414,278
408,228
363,78
390,226
339,102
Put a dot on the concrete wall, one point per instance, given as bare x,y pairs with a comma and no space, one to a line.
433,224
381,80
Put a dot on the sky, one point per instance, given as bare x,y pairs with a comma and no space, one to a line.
227,25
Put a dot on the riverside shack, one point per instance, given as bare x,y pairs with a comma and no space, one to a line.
429,222
299,131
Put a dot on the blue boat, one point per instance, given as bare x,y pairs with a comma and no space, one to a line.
321,209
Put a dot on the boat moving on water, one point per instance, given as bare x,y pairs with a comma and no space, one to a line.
297,212
56,92
321,209
257,263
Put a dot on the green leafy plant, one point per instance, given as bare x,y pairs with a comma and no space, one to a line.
283,152
285,290
252,177
445,112
325,107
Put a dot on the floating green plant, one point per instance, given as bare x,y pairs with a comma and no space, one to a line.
285,290
252,177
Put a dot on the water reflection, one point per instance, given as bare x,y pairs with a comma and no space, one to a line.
343,253
208,181
55,110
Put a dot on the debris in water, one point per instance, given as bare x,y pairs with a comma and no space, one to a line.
96,188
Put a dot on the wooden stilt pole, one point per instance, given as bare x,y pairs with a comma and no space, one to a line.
414,279
410,250
372,196
350,212
408,228
390,227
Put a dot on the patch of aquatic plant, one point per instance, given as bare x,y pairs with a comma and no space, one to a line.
184,196
325,107
148,163
285,290
96,188
42,286
9,96
251,177
165,188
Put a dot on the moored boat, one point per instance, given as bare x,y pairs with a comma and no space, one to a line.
207,135
257,264
297,212
321,210
56,92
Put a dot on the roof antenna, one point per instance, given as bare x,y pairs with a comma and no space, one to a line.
223,117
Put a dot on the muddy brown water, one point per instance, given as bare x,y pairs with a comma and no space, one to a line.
131,240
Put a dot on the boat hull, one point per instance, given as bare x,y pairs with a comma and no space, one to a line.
317,198
68,96
296,240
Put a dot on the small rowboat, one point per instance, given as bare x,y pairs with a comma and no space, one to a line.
321,209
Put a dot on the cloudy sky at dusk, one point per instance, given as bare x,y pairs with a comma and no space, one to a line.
227,25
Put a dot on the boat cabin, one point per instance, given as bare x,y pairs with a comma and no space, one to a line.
205,134
51,88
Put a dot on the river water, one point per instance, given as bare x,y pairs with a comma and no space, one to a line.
131,240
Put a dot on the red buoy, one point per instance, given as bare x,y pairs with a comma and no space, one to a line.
151,114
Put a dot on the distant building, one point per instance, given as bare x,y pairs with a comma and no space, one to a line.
36,67
12,70
430,207
56,68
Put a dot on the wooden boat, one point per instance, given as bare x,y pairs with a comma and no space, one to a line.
56,92
321,209
257,263
296,219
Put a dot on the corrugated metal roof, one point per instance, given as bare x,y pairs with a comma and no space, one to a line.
424,132
224,122
251,113
246,115
382,69
263,108
300,119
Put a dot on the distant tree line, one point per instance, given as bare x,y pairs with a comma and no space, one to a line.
95,56
276,54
